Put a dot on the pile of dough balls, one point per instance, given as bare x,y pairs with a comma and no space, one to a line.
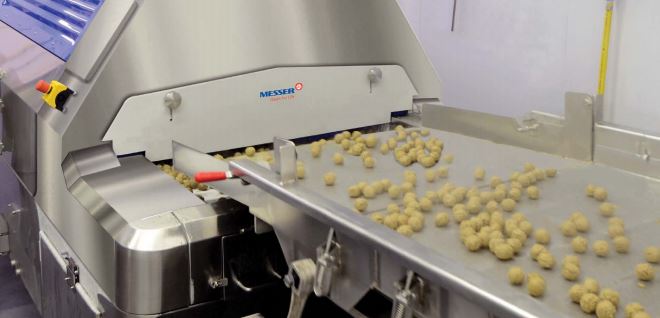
570,268
180,177
542,256
636,310
535,282
596,192
409,147
592,300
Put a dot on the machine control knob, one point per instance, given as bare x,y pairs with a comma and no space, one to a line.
172,101
375,75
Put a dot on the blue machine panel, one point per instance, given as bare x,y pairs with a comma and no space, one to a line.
56,25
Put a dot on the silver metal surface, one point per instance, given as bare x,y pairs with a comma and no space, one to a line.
479,277
627,149
571,136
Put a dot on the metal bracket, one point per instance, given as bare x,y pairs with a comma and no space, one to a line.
285,159
72,273
218,282
4,236
409,297
328,262
301,281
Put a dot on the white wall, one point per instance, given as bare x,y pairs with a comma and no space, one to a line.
511,56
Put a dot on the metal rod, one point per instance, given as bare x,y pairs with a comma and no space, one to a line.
604,54
453,16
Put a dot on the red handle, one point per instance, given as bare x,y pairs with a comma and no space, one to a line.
210,176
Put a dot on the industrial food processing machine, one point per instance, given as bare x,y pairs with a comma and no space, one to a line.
94,228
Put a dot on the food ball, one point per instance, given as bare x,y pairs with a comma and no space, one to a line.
576,292
361,204
369,192
300,172
354,191
550,172
588,303
393,208
571,259
495,181
394,192
645,272
460,215
621,244
533,192
568,228
416,223
405,230
605,309
524,180
377,217
443,172
250,151
391,221
652,254
508,205
425,205
504,252
330,178
615,220
515,243
600,194
473,243
315,150
448,158
526,227
338,159
430,175
474,206
535,285
449,200
591,285
601,248
479,173
607,209
407,187
610,295
582,224
442,219
369,162
570,271
371,141
590,190
536,250
546,260
542,236
633,308
615,230
516,275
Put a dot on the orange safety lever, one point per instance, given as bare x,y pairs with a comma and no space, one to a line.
211,176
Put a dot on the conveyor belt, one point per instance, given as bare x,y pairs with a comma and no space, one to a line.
636,196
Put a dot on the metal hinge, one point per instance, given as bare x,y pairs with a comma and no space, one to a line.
4,236
328,262
409,297
72,276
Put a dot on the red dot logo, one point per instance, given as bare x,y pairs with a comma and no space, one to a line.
299,86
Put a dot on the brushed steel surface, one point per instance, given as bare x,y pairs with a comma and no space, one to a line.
570,136
479,277
628,149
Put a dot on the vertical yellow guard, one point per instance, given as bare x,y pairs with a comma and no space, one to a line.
604,55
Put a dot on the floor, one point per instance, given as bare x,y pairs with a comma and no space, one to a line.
14,299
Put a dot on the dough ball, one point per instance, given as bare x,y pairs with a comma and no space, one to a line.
533,193
588,303
393,208
315,150
652,254
442,219
361,204
495,181
519,235
430,175
571,259
589,191
479,173
526,227
474,206
460,215
576,292
410,176
615,230
615,220
499,195
362,184
633,308
601,248
384,149
546,260
405,230
448,158
645,272
330,178
515,243
536,285
570,271
551,172
610,295
425,205
542,236
449,200
402,218
607,209
427,162
377,217
407,187
425,132
582,224
492,206
508,205
338,159
369,162
416,223
568,228
354,191
371,141
516,275
365,154
300,172
473,243
605,309
524,180
356,134
443,172
600,194
394,192
591,285
369,192
378,186
391,221
641,314
536,250
621,244
504,252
